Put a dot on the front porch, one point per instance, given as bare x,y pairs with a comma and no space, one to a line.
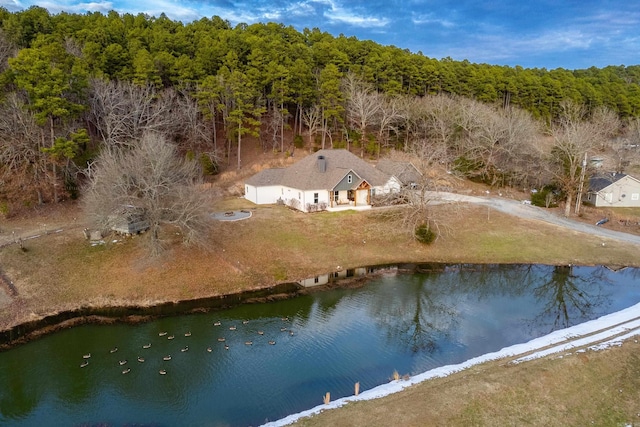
345,207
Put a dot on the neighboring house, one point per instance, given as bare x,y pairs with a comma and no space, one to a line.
408,175
326,180
614,190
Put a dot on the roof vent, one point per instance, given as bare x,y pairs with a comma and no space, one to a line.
321,163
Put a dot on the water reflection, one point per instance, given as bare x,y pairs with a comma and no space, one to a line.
323,341
569,298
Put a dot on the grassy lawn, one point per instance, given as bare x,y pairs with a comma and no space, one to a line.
61,270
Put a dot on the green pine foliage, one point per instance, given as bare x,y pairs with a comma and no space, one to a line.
233,79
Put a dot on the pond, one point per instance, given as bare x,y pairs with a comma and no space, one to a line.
260,362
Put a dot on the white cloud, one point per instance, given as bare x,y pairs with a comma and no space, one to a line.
11,5
338,14
421,19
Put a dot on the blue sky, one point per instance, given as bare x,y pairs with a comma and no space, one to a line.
570,34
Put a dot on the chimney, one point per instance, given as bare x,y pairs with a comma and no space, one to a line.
321,163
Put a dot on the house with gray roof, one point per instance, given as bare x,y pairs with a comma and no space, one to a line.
325,180
614,190
408,175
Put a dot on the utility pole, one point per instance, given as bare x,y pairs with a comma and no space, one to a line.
581,186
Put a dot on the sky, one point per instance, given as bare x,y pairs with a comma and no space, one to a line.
570,34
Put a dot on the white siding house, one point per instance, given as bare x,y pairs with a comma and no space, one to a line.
326,180
614,190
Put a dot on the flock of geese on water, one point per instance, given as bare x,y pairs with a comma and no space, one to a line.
86,357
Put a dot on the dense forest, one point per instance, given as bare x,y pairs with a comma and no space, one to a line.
74,85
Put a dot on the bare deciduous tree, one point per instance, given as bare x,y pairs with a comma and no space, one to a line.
151,180
575,134
387,120
312,118
7,50
363,105
122,112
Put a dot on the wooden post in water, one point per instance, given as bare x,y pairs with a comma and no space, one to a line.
357,388
327,398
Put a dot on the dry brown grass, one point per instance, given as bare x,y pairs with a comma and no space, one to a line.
60,271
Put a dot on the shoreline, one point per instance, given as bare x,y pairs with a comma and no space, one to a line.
25,332
594,335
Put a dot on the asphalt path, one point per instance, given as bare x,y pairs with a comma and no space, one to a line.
519,209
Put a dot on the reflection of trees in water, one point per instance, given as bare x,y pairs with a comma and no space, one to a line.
415,312
568,297
422,309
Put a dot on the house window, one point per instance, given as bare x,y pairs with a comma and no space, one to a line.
316,279
635,196
336,196
315,198
350,179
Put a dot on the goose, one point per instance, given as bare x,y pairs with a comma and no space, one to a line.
232,328
170,337
260,332
209,349
217,323
185,349
244,322
187,334
272,343
86,356
147,345
163,372
283,329
285,319
113,350
122,362
126,371
167,357
140,359
248,342
290,333
161,334
226,347
221,339
85,363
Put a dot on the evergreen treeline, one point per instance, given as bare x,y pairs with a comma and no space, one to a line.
145,49
76,84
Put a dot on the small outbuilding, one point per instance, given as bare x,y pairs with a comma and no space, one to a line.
129,220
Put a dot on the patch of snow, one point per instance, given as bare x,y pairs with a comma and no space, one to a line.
607,331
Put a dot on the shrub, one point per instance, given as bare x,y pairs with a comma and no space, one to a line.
545,198
298,142
209,167
424,234
4,209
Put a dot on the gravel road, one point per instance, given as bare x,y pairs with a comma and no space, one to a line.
517,208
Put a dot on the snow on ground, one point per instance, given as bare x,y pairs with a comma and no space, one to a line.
598,334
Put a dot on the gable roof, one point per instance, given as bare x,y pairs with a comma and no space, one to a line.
310,173
406,172
266,177
600,182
